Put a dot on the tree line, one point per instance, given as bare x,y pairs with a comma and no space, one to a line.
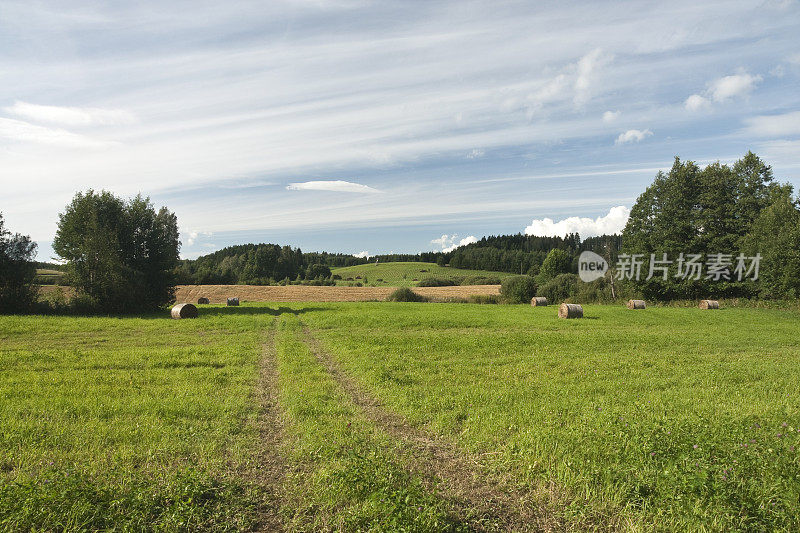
123,255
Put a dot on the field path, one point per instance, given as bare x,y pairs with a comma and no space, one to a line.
271,467
483,502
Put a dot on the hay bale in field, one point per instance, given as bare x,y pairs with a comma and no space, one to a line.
637,304
709,304
203,300
184,311
566,310
538,301
233,301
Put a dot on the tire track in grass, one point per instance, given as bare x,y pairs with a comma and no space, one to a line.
483,502
271,466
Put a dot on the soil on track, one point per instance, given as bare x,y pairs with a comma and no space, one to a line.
483,502
270,467
302,293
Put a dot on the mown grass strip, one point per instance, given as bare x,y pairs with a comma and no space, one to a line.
345,476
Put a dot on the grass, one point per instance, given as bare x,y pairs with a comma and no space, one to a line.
135,423
346,476
400,274
665,419
670,419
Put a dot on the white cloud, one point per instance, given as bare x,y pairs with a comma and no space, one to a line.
331,185
610,116
734,86
696,102
723,90
71,116
192,236
20,131
448,242
476,153
774,125
631,136
794,59
364,254
613,222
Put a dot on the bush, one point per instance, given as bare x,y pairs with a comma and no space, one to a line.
405,295
480,280
436,282
560,288
518,289
557,262
484,299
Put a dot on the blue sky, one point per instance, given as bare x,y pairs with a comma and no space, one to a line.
355,126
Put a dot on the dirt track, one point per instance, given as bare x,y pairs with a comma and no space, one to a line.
300,293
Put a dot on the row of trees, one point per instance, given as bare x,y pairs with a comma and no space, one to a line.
720,211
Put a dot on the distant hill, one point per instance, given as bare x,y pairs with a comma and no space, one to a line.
265,264
410,274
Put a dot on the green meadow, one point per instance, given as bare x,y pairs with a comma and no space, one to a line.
399,274
657,420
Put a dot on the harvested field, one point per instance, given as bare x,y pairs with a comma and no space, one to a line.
301,293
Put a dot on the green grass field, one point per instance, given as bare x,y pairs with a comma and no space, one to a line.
664,419
401,274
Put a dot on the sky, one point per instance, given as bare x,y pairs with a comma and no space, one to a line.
375,127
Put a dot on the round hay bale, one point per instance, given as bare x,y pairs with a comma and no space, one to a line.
709,304
184,311
566,310
233,301
637,304
538,301
203,300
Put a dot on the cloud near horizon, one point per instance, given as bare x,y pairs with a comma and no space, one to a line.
331,185
613,222
448,242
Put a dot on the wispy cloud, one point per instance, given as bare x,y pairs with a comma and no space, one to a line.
20,131
70,116
774,125
587,68
331,185
613,222
633,136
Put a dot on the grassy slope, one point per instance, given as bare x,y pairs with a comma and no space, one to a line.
402,274
131,422
675,417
